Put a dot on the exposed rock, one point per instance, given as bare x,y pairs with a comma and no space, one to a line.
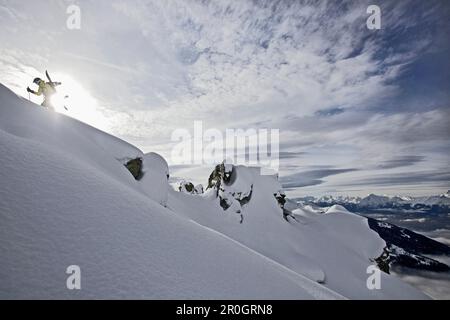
221,174
199,189
135,167
188,187
281,199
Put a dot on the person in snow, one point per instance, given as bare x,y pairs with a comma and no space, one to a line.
48,89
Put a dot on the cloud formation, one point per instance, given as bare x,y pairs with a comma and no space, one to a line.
310,178
342,96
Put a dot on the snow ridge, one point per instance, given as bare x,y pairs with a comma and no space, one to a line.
66,198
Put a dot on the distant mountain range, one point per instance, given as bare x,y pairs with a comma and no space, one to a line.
430,204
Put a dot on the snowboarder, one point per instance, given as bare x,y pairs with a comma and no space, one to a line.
48,89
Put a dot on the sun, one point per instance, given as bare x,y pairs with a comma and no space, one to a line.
75,101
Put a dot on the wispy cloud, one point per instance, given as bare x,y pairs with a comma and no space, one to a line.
399,162
424,178
343,96
310,178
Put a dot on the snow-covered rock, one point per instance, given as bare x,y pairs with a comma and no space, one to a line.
155,179
199,189
188,187
333,249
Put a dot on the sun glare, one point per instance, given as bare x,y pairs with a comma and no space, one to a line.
74,100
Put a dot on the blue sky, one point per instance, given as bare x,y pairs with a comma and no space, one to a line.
358,110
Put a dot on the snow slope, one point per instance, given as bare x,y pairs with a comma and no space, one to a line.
67,199
334,249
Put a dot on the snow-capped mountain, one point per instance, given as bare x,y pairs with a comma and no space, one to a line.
440,203
73,195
